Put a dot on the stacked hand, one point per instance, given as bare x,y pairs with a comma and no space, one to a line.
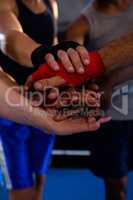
69,104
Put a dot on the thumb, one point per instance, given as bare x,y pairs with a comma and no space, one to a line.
51,82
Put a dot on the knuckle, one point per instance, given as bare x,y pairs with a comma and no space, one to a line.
78,62
78,65
79,47
49,56
71,51
66,62
75,57
66,59
82,51
45,84
61,53
51,63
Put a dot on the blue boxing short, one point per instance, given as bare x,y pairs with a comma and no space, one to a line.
112,150
24,152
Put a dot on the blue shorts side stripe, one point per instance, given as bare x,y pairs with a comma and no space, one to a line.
4,169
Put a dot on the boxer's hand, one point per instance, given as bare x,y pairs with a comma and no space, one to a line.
72,59
71,126
94,69
89,97
80,125
43,84
72,99
73,56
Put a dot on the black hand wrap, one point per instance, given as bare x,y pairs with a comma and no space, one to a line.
38,55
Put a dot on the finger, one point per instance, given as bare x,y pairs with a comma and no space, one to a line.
35,103
93,124
83,54
93,86
62,55
66,115
51,111
91,98
52,62
19,89
91,120
54,93
90,94
75,126
104,120
91,102
75,58
28,83
51,82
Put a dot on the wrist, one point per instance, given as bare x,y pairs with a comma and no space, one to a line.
38,54
20,53
94,69
42,120
106,57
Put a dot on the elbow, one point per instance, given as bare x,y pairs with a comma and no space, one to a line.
11,49
9,46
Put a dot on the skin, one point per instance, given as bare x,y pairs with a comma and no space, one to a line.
121,57
13,37
113,60
33,116
13,33
37,117
123,54
116,63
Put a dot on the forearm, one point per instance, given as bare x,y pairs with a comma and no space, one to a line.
19,109
118,53
73,36
78,29
16,44
120,76
24,113
19,47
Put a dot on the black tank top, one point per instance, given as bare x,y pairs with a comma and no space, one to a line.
40,27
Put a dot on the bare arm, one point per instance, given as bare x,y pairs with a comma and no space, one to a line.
78,30
18,45
118,53
118,77
15,107
24,113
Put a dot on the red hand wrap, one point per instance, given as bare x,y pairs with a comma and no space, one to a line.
93,70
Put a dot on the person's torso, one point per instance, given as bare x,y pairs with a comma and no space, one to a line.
104,29
68,11
40,27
